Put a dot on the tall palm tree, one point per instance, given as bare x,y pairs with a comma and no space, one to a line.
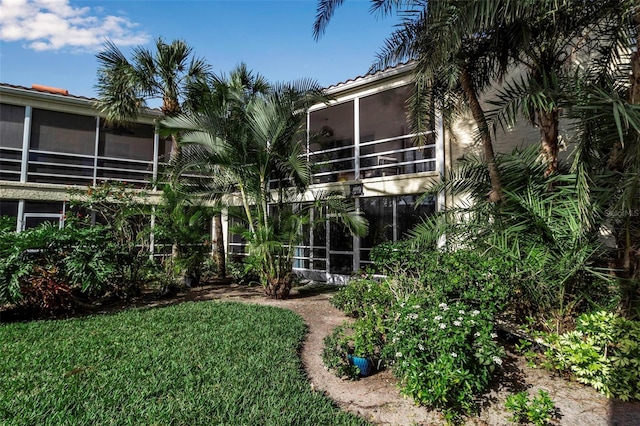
171,74
458,73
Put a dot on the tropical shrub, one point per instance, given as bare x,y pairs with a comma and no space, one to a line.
444,355
123,210
402,256
44,292
551,238
182,223
364,296
482,281
40,267
603,351
538,410
240,272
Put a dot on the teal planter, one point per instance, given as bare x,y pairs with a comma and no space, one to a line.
364,364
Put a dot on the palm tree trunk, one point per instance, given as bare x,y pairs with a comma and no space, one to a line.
468,87
548,122
219,242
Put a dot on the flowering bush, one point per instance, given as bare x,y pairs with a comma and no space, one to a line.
444,355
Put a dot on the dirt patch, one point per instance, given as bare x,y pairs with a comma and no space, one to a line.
377,399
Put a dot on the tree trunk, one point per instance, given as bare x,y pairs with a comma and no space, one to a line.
219,243
468,87
548,122
629,240
279,287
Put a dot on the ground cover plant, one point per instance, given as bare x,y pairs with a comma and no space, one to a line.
603,351
193,363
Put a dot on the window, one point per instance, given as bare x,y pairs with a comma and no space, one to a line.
331,143
11,134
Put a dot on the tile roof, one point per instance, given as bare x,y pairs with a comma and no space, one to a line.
397,67
43,89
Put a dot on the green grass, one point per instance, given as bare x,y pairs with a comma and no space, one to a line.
206,363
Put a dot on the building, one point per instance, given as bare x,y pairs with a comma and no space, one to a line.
51,141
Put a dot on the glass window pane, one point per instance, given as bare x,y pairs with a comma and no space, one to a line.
11,126
384,115
331,140
133,142
43,207
341,264
409,216
379,213
62,132
9,208
340,238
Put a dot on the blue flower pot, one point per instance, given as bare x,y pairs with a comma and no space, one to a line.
364,364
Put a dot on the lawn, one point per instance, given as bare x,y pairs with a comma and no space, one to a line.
207,363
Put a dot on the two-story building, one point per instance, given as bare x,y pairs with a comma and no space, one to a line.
51,141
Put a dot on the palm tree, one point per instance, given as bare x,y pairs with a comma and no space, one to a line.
452,66
221,106
256,140
170,73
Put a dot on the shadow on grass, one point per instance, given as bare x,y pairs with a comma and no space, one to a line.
223,290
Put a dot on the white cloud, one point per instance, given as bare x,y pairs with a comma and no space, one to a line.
56,24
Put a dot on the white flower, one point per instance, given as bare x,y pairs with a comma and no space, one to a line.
459,318
413,316
443,326
457,323
446,308
442,305
476,334
453,354
494,335
474,313
461,312
420,346
416,306
398,354
497,360
437,318
402,305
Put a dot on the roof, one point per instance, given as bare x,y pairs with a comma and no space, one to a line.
45,89
394,70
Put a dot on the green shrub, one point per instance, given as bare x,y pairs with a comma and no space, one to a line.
78,256
401,255
443,355
362,296
539,410
481,281
240,272
603,351
362,338
335,353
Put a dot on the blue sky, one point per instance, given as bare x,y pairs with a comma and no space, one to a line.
54,42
